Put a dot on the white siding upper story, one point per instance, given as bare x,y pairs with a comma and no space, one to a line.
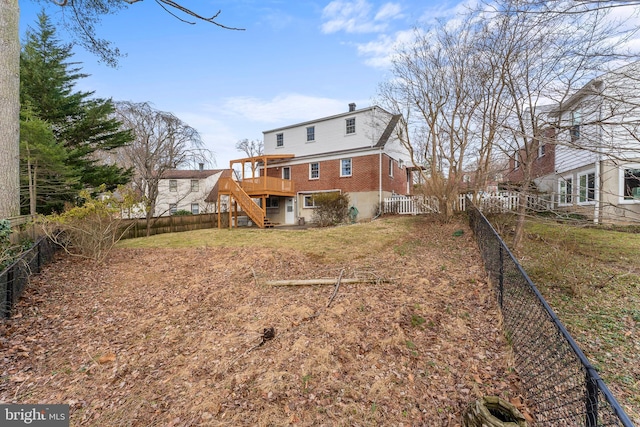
329,136
601,121
185,190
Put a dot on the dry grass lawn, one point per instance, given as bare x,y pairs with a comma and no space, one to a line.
170,336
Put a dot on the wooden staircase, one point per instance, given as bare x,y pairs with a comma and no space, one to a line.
256,213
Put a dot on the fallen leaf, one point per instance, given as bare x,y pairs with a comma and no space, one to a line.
109,357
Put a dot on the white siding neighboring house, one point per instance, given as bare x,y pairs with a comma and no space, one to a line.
186,190
597,153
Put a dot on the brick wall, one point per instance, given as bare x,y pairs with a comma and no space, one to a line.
364,176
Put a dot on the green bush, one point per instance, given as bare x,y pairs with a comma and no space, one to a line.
331,208
181,212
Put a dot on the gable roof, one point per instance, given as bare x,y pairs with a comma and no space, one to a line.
384,138
189,174
322,119
213,194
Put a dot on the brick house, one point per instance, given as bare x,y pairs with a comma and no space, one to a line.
355,152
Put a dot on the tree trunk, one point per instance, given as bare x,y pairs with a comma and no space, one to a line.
9,109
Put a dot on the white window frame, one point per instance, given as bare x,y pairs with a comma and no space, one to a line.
391,167
350,126
308,202
621,196
173,208
311,134
173,185
343,163
585,200
541,150
279,140
195,185
565,191
286,172
317,170
576,121
195,208
466,178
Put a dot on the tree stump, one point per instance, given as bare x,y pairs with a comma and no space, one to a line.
491,411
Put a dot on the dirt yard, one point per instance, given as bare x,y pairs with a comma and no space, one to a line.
176,337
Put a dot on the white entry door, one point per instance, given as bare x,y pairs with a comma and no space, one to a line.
289,214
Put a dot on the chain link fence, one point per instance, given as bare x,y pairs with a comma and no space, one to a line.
561,386
15,277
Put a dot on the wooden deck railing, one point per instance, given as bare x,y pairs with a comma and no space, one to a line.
268,185
253,211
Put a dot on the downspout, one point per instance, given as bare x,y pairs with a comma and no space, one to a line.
598,178
380,178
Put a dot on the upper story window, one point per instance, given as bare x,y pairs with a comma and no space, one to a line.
173,185
466,178
516,161
351,125
311,133
280,140
286,172
576,119
195,185
345,167
314,170
541,149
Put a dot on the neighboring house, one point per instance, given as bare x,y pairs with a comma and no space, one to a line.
596,149
355,152
187,190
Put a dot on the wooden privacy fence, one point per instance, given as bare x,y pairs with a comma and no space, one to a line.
168,224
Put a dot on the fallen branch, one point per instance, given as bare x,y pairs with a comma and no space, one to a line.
335,291
311,282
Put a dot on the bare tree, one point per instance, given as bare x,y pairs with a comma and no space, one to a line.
440,85
162,142
82,18
251,148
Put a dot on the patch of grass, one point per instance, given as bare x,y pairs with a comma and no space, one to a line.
588,275
325,244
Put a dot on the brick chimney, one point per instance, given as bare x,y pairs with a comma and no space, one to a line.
352,107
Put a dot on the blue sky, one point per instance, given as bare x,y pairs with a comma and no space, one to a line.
295,61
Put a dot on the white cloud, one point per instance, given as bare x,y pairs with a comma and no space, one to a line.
379,53
283,109
357,16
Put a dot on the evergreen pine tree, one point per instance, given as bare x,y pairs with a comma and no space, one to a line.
83,125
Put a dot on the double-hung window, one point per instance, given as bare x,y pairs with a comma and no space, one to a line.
314,170
195,185
280,140
351,126
195,208
311,133
173,208
565,191
173,185
345,167
576,119
587,189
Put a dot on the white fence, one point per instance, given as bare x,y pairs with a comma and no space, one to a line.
487,202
